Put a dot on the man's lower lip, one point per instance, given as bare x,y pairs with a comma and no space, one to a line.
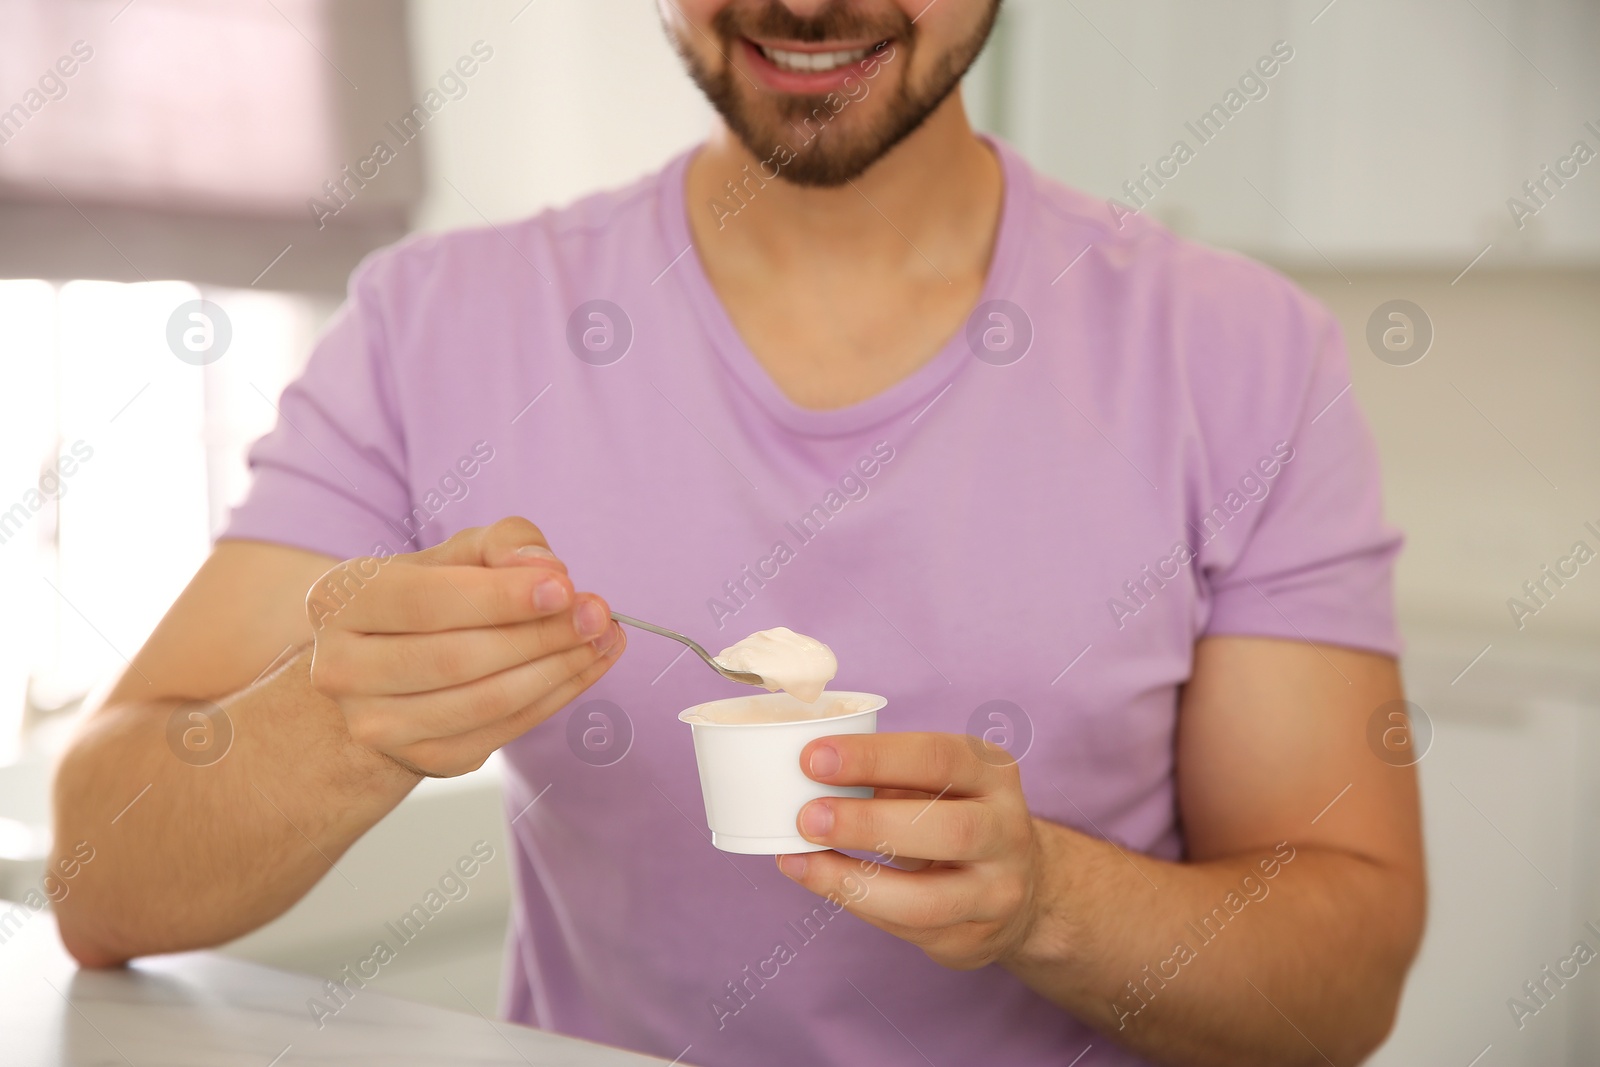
813,82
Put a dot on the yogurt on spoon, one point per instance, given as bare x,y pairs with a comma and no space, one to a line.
794,663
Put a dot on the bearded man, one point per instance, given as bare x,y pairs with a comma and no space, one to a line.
1041,473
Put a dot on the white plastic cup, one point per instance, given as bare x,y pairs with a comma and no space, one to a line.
750,772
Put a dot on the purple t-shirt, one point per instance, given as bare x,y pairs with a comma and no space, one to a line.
1135,442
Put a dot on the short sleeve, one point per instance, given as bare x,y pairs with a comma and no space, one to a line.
1317,562
330,477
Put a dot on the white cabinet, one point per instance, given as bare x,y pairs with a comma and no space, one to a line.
1509,804
1396,133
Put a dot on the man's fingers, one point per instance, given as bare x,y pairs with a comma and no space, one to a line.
392,722
937,764
565,692
905,863
419,663
957,830
898,901
495,545
456,755
472,641
516,542
406,598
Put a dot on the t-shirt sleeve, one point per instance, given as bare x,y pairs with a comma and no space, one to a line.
330,477
1317,561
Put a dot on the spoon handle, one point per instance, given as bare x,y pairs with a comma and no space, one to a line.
737,676
663,631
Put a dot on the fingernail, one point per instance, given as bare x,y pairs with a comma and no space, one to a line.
591,618
792,866
825,761
816,820
536,552
549,595
609,640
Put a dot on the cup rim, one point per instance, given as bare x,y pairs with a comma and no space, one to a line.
875,703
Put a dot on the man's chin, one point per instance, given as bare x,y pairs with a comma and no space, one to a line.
828,170
821,141
826,161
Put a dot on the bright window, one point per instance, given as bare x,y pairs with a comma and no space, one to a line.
118,463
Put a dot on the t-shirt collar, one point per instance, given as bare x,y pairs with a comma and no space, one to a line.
910,393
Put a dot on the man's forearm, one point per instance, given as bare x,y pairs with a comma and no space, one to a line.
189,855
1286,957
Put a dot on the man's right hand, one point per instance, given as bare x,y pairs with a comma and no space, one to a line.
437,658
415,664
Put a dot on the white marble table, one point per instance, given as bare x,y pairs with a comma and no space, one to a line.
200,1009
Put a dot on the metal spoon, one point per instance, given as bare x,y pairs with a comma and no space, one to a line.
735,676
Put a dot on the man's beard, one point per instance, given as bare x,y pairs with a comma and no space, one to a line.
764,121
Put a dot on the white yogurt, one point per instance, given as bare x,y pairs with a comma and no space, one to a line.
785,660
763,709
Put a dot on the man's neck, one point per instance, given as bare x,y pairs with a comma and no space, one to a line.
840,293
932,202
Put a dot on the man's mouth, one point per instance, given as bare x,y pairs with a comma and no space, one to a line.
803,67
810,62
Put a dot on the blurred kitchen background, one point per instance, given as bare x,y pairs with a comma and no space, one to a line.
179,158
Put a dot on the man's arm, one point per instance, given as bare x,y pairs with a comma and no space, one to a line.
176,843
423,664
1285,937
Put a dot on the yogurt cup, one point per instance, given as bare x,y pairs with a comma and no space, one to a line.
748,751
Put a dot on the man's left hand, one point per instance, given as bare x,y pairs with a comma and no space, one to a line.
951,811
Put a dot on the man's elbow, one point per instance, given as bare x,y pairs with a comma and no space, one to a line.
81,943
1378,1023
1378,1009
1386,934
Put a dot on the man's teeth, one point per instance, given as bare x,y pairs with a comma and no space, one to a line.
808,62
